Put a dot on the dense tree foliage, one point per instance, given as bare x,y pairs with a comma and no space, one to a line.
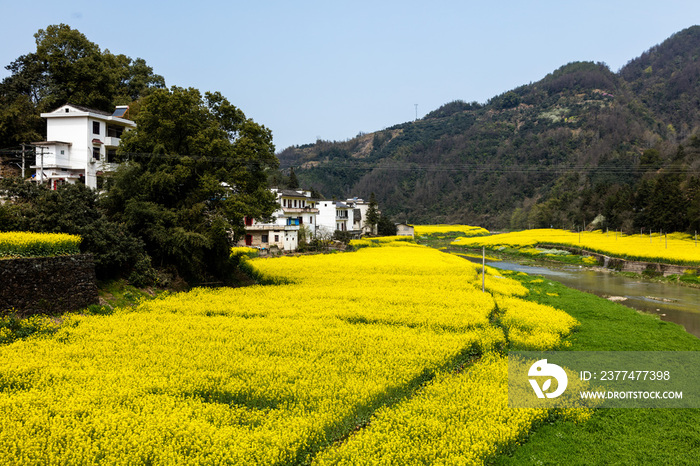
667,80
66,68
194,168
74,209
385,227
582,142
372,215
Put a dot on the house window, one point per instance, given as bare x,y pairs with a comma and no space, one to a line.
277,238
249,221
96,153
111,155
95,127
295,202
265,239
284,202
115,131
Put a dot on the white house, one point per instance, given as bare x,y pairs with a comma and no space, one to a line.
81,143
334,216
404,229
297,210
360,208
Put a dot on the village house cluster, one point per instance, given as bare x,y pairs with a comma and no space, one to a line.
301,217
81,146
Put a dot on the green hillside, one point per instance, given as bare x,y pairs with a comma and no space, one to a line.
582,142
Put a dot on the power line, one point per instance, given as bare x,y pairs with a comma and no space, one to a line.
237,161
532,169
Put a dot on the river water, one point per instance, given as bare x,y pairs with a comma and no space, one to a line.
673,303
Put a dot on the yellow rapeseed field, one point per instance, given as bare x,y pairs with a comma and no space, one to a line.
466,230
26,244
278,373
458,419
675,248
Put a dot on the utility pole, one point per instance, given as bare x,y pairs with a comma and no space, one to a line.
23,175
483,269
41,178
416,111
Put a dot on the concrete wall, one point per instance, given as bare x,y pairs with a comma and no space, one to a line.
47,284
326,217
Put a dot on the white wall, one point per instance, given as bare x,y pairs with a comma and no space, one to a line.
76,128
326,217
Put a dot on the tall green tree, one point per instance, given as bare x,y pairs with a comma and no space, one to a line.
66,67
385,227
194,168
667,207
372,217
293,181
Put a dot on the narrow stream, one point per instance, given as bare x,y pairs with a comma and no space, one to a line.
673,303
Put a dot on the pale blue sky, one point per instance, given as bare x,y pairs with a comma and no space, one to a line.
330,69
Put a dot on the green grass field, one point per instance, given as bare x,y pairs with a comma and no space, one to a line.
613,436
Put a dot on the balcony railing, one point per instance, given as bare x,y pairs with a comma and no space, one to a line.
112,142
300,210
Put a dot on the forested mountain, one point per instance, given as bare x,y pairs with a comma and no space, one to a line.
582,142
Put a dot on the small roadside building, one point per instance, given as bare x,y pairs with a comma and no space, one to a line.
403,229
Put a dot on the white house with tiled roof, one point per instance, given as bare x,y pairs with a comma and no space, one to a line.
81,144
297,210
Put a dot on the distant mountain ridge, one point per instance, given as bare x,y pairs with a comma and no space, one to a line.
582,142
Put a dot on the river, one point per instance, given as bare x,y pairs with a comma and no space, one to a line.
673,303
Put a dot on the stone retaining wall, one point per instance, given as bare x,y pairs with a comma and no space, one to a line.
47,284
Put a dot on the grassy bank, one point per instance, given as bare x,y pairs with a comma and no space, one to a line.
613,436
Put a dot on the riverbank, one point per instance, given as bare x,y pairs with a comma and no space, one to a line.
611,436
684,275
652,271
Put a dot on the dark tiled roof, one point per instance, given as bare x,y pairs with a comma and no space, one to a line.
292,193
87,109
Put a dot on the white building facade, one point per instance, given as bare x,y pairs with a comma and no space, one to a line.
81,144
360,208
295,217
334,216
301,217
